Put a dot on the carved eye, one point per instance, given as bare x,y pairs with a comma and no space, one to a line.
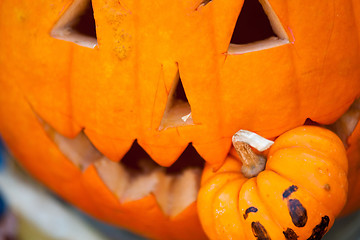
257,28
77,25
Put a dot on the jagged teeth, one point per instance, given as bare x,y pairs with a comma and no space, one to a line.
173,192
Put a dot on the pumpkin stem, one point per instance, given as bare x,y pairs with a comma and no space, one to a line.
253,163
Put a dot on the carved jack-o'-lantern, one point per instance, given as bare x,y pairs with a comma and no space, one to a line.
91,90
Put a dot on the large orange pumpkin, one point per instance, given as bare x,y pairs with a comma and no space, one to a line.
164,74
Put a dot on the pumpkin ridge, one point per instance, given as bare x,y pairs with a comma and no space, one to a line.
237,178
265,210
269,208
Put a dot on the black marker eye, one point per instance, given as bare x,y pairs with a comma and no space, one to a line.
297,212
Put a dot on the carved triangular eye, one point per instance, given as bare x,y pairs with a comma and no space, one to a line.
177,110
257,28
77,25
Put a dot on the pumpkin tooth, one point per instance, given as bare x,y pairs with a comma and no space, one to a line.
141,186
112,148
157,153
162,192
184,190
214,152
124,183
114,175
173,192
78,150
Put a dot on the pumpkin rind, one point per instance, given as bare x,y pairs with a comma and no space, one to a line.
304,184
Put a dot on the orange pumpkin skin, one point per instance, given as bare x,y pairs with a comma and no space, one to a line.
300,192
353,153
117,92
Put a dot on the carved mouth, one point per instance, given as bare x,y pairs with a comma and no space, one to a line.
137,175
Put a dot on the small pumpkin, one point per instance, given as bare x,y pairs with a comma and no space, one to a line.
298,195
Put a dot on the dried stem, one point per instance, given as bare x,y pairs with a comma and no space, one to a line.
253,163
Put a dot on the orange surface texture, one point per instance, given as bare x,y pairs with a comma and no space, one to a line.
117,92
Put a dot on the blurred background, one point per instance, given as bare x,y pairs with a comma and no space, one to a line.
28,211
